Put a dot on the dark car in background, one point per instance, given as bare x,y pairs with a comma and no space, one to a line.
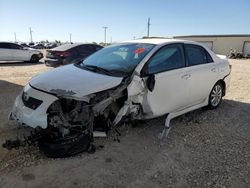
69,53
24,45
39,46
51,45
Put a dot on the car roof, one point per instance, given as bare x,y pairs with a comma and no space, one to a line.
155,41
69,46
163,41
8,42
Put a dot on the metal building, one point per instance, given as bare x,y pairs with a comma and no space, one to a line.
222,44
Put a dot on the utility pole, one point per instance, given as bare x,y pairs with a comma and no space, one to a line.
31,40
70,37
148,27
15,36
105,34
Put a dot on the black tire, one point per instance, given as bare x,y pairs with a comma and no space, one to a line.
34,59
66,147
215,96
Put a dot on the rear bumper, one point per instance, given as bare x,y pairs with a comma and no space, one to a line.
27,116
53,62
227,82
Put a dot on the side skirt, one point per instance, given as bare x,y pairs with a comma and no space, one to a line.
172,115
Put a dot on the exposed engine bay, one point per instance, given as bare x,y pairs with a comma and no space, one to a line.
71,123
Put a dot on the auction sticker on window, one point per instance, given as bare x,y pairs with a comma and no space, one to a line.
139,50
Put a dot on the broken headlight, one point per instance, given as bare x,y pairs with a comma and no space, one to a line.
30,102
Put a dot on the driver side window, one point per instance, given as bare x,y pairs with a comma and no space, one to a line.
167,58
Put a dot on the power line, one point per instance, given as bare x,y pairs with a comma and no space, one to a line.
105,34
31,40
15,36
148,27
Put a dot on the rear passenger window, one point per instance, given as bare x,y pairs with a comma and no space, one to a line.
97,48
196,55
167,58
209,58
84,49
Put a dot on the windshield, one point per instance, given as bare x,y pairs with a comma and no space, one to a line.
117,60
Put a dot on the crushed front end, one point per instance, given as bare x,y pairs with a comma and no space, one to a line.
63,125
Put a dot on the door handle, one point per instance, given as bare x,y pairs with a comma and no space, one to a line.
186,76
213,69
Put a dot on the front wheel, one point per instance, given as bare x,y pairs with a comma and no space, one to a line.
215,96
34,59
65,147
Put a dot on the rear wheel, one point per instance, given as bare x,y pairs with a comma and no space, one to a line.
34,59
215,96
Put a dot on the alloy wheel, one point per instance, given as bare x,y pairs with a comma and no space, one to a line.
216,95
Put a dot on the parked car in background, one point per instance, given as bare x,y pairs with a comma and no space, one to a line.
69,53
51,45
14,52
38,46
24,45
31,44
133,80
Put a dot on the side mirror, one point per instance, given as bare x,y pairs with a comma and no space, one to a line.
151,82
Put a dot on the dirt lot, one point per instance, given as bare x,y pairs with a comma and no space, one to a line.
204,148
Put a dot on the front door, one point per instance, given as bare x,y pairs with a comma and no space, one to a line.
19,53
169,94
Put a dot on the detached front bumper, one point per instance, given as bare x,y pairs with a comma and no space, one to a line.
25,115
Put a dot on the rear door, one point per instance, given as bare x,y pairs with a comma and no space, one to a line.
203,73
5,52
170,89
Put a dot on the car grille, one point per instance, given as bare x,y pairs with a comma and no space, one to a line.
30,102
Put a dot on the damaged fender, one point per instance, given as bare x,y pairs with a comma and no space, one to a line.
136,97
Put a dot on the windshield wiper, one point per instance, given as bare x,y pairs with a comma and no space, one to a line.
97,69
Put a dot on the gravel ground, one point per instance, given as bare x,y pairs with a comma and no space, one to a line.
205,148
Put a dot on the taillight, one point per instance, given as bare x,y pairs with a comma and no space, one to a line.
63,54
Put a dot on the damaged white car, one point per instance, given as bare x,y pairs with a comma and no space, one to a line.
133,80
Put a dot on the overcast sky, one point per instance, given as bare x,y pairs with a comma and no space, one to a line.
126,19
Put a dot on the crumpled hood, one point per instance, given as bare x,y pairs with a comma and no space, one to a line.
72,81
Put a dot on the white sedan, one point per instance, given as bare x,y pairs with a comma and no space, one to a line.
133,80
15,52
